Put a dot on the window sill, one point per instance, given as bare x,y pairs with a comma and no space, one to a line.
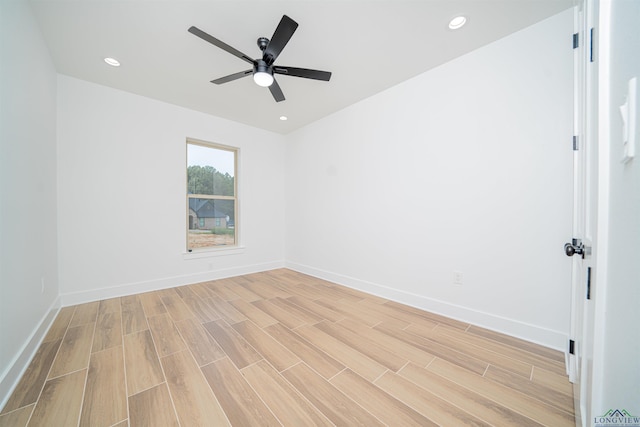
213,252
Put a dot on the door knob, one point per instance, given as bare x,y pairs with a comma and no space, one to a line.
575,247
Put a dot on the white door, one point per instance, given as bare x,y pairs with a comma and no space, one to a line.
583,243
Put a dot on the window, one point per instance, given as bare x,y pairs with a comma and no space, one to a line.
211,195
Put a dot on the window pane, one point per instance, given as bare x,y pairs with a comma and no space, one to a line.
211,223
210,171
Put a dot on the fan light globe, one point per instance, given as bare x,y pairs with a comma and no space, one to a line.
263,79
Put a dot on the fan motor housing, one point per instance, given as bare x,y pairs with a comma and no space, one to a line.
262,67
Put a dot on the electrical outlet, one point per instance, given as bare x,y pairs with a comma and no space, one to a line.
457,278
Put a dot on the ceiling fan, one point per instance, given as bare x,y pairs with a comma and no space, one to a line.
264,68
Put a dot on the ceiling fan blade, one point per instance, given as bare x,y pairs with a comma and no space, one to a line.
222,45
280,38
232,77
276,91
303,72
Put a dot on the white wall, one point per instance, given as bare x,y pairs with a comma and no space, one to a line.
122,183
465,168
28,237
617,358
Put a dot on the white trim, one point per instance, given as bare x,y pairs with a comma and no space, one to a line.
604,149
552,339
17,367
81,297
210,252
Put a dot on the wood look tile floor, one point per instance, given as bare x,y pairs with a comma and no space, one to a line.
281,348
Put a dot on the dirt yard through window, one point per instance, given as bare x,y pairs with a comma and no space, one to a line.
206,240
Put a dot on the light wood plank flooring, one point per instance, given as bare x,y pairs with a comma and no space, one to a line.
281,348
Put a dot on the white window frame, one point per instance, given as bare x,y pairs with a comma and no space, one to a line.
213,250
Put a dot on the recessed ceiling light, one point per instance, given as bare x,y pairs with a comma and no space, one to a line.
457,22
113,62
284,118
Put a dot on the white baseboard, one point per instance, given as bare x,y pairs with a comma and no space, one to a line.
532,333
21,361
82,297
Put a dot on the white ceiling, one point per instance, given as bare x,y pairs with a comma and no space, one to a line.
369,46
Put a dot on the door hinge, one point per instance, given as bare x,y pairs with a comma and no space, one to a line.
591,58
589,283
576,42
576,146
572,347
